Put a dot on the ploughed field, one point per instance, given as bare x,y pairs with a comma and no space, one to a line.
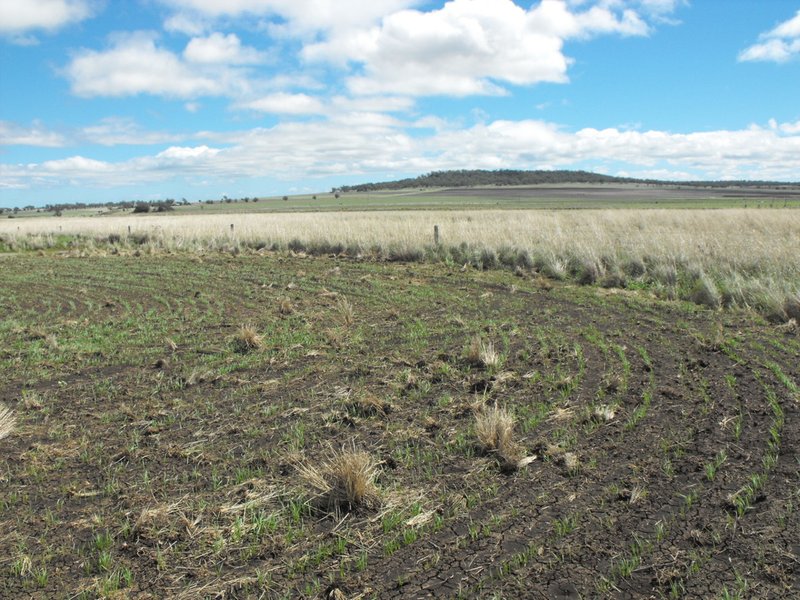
161,449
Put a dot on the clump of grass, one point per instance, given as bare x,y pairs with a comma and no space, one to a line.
570,461
603,413
789,327
494,428
344,309
247,339
7,421
344,481
705,292
370,406
285,306
480,353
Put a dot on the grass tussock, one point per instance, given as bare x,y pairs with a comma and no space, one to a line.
285,306
345,311
604,413
7,421
483,354
494,428
247,339
343,482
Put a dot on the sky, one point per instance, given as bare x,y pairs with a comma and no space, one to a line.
117,100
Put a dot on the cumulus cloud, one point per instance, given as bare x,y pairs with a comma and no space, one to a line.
286,104
116,131
372,143
469,46
300,16
777,45
111,131
21,16
12,134
218,48
135,64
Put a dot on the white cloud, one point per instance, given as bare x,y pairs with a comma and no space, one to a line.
75,167
300,15
12,134
468,46
375,104
186,24
21,16
182,153
370,144
287,104
790,128
777,45
114,131
135,64
787,29
220,49
111,131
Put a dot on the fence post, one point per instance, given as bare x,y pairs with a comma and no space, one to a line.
435,235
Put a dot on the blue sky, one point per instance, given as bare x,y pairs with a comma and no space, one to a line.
105,100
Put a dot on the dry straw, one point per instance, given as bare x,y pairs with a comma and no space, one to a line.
343,481
742,257
7,421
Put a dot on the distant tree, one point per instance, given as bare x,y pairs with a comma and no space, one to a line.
285,198
141,207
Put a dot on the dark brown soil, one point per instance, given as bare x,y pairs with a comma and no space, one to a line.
138,420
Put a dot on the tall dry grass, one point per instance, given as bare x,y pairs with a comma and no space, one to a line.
742,257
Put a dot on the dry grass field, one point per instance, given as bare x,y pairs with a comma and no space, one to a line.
728,257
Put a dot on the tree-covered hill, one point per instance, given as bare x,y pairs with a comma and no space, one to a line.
474,178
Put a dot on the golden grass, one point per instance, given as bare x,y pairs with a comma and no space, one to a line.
247,339
743,257
481,353
346,312
604,413
7,421
342,482
494,428
285,306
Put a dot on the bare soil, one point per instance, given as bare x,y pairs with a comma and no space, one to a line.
151,459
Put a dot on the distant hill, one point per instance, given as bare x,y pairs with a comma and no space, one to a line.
475,178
